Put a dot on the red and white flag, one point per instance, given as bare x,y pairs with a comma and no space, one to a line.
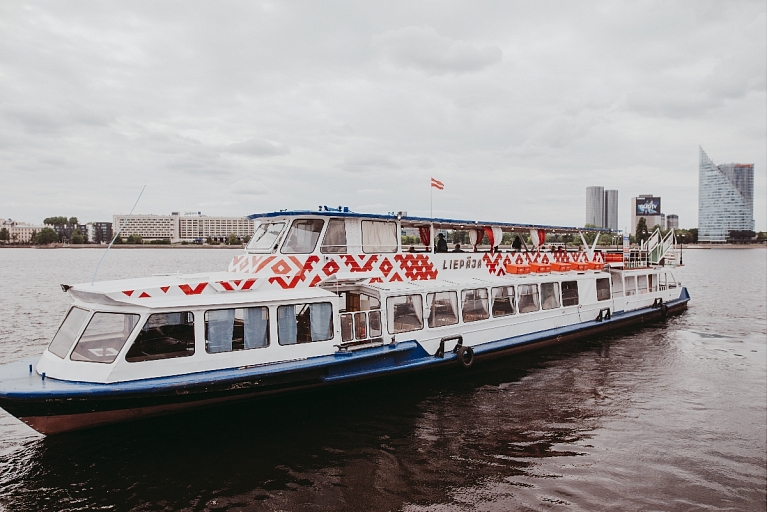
437,184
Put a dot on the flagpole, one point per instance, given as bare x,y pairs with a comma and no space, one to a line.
430,197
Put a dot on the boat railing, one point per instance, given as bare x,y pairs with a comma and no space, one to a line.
360,329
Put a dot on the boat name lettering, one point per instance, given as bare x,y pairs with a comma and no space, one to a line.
468,262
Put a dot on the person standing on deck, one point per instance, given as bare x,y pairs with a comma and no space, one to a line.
442,245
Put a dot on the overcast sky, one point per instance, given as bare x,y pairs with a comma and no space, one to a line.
232,108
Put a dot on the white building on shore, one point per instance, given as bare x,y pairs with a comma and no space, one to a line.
176,227
20,232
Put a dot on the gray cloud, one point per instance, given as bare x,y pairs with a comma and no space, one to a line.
249,188
293,106
257,147
423,48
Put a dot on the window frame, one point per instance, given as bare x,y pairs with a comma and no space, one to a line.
287,237
363,232
243,308
334,249
275,243
630,291
520,288
77,334
464,301
513,297
431,304
331,331
597,289
563,290
148,358
418,310
79,338
555,295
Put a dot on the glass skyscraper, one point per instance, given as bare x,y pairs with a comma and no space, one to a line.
603,208
726,198
611,220
595,206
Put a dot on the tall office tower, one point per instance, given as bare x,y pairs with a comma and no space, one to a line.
611,219
673,222
726,198
595,206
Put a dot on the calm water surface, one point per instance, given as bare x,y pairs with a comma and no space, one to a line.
668,417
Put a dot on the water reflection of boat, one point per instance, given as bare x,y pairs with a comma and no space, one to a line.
327,297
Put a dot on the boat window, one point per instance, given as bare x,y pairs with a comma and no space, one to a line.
529,298
404,313
354,301
335,239
629,285
361,325
164,336
570,293
265,237
550,295
642,284
443,309
304,323
66,334
374,323
653,282
603,289
303,235
346,327
618,288
503,301
236,329
474,305
104,337
379,236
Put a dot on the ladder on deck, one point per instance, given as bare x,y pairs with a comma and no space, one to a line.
662,248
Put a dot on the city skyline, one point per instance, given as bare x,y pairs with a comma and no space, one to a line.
240,108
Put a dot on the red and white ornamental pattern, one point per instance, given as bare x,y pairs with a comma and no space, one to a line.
192,288
289,272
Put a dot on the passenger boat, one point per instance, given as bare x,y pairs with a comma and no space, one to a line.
324,297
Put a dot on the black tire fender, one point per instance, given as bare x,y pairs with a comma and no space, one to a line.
664,310
465,356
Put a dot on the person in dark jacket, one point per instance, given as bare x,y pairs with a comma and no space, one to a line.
442,245
517,244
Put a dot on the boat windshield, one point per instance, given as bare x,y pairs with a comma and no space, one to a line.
265,237
68,331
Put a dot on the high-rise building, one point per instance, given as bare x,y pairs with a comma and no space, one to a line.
603,208
595,206
611,220
726,198
672,221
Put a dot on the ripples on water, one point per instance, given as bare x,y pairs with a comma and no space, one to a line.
671,416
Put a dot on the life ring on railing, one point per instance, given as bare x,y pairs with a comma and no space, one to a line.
465,356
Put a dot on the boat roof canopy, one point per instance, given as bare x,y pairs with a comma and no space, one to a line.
409,221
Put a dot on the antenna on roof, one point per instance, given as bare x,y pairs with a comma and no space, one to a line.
116,235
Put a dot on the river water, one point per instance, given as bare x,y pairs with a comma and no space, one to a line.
671,416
